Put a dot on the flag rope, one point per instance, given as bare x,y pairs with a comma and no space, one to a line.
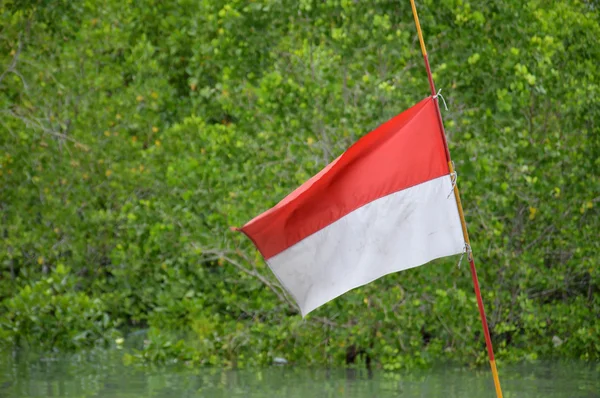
453,179
439,94
467,251
488,340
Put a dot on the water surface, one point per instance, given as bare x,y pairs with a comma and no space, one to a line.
102,374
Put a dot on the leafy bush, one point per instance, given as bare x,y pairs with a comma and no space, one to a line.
134,136
51,313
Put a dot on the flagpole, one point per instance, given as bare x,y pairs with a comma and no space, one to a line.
488,340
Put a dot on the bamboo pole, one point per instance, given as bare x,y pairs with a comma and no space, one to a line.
488,340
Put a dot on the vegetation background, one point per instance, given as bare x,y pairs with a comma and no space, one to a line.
134,134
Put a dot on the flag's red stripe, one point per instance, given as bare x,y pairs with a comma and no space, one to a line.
401,153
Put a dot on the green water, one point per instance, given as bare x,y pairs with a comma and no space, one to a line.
102,374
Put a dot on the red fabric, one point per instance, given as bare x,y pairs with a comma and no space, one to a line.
403,152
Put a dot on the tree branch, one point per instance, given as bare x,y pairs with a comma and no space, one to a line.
12,68
227,256
36,124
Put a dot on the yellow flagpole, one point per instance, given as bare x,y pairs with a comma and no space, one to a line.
488,340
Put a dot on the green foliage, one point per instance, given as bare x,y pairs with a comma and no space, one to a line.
133,136
50,313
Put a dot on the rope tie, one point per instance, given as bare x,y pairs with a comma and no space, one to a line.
453,178
439,94
467,251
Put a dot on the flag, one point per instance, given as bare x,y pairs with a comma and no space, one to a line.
385,205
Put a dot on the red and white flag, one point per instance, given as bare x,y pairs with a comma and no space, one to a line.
385,205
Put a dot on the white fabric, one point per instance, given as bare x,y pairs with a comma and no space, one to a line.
399,231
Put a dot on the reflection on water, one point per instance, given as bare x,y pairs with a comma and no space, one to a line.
102,374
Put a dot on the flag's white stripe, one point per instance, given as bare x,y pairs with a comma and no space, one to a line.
399,231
